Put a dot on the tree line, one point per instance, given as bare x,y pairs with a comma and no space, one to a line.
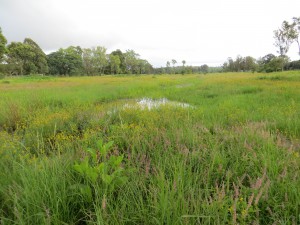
284,36
23,58
183,69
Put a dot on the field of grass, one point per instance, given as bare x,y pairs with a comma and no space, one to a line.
71,153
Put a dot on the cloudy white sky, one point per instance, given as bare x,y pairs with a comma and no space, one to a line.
199,32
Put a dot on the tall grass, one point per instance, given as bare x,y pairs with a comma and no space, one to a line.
231,158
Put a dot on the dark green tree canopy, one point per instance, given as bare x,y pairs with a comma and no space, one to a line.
121,56
267,58
66,61
204,69
40,58
27,57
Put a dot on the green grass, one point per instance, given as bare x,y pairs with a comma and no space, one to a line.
231,158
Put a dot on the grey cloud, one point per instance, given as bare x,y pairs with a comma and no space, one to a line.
49,27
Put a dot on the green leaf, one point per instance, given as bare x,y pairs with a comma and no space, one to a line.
109,145
78,168
92,174
93,154
118,161
105,148
107,179
99,144
121,181
86,191
101,168
82,167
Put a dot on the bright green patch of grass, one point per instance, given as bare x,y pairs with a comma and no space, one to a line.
232,157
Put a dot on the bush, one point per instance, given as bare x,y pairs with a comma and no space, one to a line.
10,69
294,65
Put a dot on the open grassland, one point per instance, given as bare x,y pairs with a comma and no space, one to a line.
71,154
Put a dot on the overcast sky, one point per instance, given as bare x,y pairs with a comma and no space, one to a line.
207,31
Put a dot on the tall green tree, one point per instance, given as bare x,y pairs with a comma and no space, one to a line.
87,61
27,57
100,59
22,57
270,63
131,62
250,64
66,61
120,54
144,67
229,65
3,43
238,63
40,58
115,62
94,60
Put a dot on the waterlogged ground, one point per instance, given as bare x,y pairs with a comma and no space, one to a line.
148,103
192,149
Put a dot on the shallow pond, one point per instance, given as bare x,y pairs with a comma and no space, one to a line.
149,103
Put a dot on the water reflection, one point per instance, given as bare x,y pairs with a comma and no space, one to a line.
148,103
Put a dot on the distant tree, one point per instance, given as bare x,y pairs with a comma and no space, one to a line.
267,58
73,56
88,61
247,63
120,54
3,43
264,61
66,61
168,67
100,59
229,66
284,37
10,69
271,63
39,59
22,57
144,66
294,65
296,30
183,69
115,62
189,69
276,64
131,62
27,57
250,64
204,69
174,62
238,64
